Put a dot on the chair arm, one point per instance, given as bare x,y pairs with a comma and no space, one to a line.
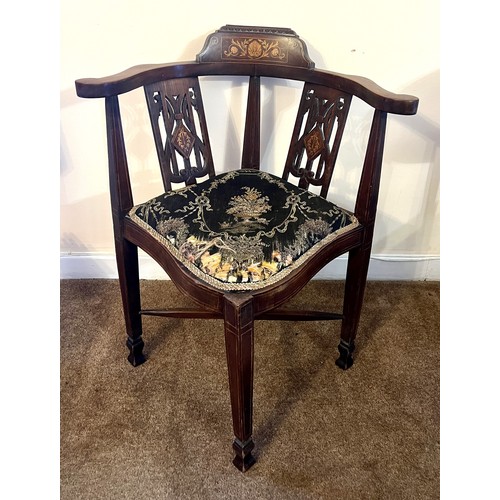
373,94
144,74
127,80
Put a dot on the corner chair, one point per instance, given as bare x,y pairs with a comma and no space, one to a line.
241,243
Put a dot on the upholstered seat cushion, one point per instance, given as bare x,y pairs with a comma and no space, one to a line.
243,229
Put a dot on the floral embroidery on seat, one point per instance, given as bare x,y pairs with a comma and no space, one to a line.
243,229
247,209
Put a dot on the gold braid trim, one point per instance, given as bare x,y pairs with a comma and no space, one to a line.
249,285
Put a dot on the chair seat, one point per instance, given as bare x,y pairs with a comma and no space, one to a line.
242,230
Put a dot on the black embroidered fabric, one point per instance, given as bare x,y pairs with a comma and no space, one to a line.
243,229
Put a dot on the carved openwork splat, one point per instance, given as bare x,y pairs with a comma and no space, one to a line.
180,130
316,137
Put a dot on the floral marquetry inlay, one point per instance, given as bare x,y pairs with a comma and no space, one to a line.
314,143
183,141
255,44
254,48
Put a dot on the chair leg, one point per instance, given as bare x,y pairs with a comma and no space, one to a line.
128,272
238,329
357,271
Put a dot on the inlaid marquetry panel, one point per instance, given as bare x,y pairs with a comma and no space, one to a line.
249,44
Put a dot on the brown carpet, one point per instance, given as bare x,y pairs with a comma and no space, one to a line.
163,430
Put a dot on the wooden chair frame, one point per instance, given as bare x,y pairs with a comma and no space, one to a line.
239,310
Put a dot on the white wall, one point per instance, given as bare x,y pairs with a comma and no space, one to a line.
389,41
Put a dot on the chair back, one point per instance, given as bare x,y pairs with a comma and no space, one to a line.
179,124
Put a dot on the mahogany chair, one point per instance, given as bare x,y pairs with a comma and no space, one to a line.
241,243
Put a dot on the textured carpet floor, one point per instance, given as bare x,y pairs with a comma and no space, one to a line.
163,430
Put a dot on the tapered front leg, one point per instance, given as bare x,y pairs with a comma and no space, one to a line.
128,272
359,258
126,252
357,270
238,328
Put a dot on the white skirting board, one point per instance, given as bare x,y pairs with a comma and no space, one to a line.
382,267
